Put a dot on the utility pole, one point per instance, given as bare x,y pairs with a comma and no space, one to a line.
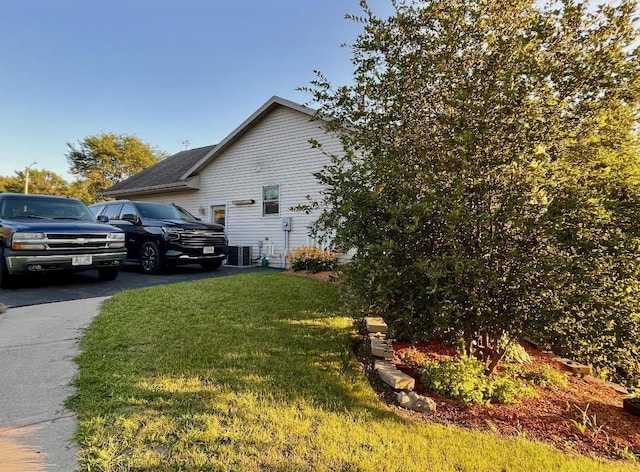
26,177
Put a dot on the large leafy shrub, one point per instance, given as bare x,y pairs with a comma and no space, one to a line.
490,179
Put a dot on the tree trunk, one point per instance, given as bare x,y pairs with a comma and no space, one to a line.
498,355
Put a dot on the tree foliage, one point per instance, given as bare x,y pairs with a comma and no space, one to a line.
490,180
11,184
103,160
41,181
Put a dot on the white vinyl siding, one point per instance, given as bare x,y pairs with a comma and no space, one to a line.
274,151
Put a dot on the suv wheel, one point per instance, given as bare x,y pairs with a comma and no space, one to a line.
108,273
150,258
213,264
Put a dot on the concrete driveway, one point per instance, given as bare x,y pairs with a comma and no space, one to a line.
37,346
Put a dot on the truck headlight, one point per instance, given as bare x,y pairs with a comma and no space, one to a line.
28,236
115,240
28,241
171,234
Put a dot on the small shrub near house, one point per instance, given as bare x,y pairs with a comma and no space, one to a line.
312,258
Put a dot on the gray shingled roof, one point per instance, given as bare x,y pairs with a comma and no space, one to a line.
181,171
166,172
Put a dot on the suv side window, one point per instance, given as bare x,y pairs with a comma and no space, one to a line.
96,209
129,209
112,211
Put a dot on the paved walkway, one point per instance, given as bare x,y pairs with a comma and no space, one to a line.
37,346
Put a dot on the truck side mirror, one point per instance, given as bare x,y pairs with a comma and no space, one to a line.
103,219
130,217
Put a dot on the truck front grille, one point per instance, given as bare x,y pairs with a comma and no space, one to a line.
76,240
201,238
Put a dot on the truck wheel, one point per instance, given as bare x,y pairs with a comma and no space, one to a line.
5,280
150,258
211,265
108,273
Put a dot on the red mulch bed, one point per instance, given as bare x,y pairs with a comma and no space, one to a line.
549,417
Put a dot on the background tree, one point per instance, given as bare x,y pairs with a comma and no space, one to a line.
490,175
80,189
11,184
41,181
103,160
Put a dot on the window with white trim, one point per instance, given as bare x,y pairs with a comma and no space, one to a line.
270,200
219,214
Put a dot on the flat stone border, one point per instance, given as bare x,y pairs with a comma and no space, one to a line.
390,375
376,325
577,368
382,348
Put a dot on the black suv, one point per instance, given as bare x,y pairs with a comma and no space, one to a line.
41,233
160,234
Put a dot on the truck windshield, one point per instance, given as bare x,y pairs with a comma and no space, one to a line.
55,208
164,211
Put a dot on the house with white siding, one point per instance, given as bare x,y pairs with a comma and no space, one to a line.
250,181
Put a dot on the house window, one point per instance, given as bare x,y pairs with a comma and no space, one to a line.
219,214
270,200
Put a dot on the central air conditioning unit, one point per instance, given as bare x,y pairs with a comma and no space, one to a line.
239,256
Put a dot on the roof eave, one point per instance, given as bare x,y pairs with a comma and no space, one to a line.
188,184
241,130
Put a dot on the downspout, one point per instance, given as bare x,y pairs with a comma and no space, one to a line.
286,249
286,227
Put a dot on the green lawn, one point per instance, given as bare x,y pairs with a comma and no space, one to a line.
256,372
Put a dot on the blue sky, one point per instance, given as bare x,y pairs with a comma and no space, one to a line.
167,71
